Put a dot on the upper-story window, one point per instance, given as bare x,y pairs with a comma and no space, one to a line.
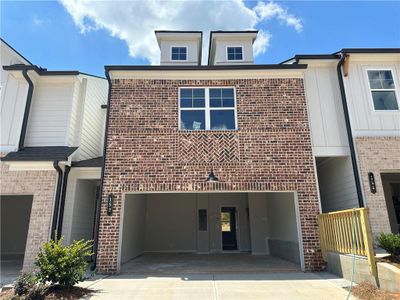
207,108
178,53
383,89
234,53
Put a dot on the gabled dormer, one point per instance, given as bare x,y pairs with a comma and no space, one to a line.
231,47
180,47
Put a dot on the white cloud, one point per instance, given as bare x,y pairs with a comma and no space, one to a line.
274,10
135,21
39,21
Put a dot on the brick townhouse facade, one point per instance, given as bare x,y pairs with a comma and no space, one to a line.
270,151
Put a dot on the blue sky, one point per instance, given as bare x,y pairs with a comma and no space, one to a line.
85,36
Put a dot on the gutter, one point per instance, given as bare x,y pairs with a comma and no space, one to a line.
27,109
56,200
348,128
100,198
62,201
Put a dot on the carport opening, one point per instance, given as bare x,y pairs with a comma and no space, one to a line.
168,224
15,216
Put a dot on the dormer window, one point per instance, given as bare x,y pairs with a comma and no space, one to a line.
234,53
178,53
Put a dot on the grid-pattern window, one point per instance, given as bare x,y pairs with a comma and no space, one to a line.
179,53
235,53
207,109
383,89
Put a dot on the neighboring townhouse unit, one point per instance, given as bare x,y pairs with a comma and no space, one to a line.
371,83
52,127
207,159
353,99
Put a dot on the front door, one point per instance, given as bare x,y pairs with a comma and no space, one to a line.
228,228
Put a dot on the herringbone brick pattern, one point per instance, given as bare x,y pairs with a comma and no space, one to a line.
208,147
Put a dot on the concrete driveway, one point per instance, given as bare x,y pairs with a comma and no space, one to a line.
295,285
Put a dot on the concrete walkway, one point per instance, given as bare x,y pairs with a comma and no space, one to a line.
295,285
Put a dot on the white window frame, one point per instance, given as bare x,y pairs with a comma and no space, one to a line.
234,46
383,90
207,109
179,46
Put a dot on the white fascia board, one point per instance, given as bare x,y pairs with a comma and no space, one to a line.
207,74
30,165
374,57
330,151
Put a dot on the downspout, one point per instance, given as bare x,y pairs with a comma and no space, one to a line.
62,201
27,109
100,198
348,128
56,199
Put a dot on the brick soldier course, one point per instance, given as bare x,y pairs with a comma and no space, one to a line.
370,159
40,184
270,151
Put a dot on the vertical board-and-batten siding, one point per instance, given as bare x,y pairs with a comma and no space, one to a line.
328,130
336,184
364,120
50,114
75,121
93,122
12,102
74,194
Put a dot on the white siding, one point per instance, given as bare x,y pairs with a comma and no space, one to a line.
336,184
364,120
73,199
13,94
84,210
93,123
50,113
220,50
75,122
329,136
192,52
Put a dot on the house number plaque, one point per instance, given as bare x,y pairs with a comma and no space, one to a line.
371,179
110,203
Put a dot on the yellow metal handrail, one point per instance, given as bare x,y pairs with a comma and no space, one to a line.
336,234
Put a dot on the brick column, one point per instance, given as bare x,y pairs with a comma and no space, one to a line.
40,184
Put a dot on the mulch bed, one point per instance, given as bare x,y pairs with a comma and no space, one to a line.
52,293
367,291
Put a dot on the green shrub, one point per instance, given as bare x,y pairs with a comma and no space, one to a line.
63,265
24,283
390,242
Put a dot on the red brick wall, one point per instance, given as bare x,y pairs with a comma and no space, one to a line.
271,150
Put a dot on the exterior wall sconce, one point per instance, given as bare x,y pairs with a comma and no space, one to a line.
211,177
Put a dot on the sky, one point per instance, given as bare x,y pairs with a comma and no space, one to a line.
85,35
